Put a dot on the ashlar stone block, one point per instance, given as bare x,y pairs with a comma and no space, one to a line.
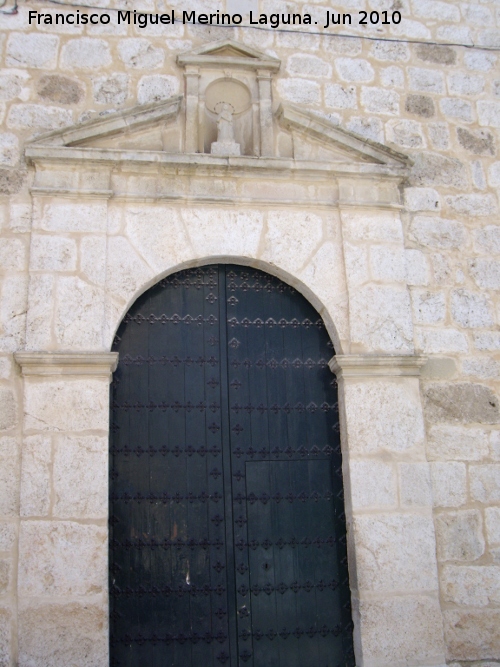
404,630
395,552
459,535
52,253
449,483
447,442
62,558
78,314
492,520
472,634
415,485
70,405
471,585
484,482
72,634
372,484
10,464
383,416
81,477
32,50
461,402
36,475
6,646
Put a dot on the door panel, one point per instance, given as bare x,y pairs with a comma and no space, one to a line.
227,529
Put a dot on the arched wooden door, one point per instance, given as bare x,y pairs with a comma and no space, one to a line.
227,542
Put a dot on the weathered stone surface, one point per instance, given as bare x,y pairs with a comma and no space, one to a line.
402,630
10,462
60,89
437,232
457,109
484,368
12,254
140,54
370,128
373,484
370,226
12,84
439,135
291,238
111,89
450,443
70,405
308,65
78,314
420,105
387,263
127,271
354,69
6,647
426,80
395,552
32,50
479,142
36,475
440,341
433,169
52,253
299,91
406,133
489,340
432,53
157,87
486,273
39,320
62,558
459,535
472,634
36,117
8,411
480,61
422,199
71,217
449,484
484,481
81,477
489,113
11,181
93,259
85,53
461,402
379,100
415,485
492,521
71,634
340,97
465,84
488,238
417,267
5,582
381,318
383,416
8,535
471,585
392,51
471,309
473,205
428,307
9,149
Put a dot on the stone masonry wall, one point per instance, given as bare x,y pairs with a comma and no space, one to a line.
439,104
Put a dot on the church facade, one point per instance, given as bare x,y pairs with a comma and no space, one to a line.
360,171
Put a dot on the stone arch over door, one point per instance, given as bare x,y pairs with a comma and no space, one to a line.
327,221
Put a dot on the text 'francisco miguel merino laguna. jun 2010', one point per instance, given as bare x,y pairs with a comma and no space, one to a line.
325,19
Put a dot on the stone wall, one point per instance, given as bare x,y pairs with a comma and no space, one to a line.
440,105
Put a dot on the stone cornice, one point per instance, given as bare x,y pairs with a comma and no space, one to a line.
372,366
228,54
95,364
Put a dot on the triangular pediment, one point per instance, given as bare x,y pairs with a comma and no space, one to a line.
227,53
318,133
137,121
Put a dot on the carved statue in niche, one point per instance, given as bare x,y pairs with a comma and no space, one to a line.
225,144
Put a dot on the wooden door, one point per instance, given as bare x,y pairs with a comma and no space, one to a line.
227,535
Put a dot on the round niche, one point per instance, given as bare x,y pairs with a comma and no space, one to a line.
228,91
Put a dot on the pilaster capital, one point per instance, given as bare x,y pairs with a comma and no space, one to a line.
95,364
377,365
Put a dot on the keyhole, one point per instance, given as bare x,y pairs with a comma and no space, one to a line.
266,566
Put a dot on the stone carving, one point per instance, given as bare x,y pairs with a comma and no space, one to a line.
225,144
